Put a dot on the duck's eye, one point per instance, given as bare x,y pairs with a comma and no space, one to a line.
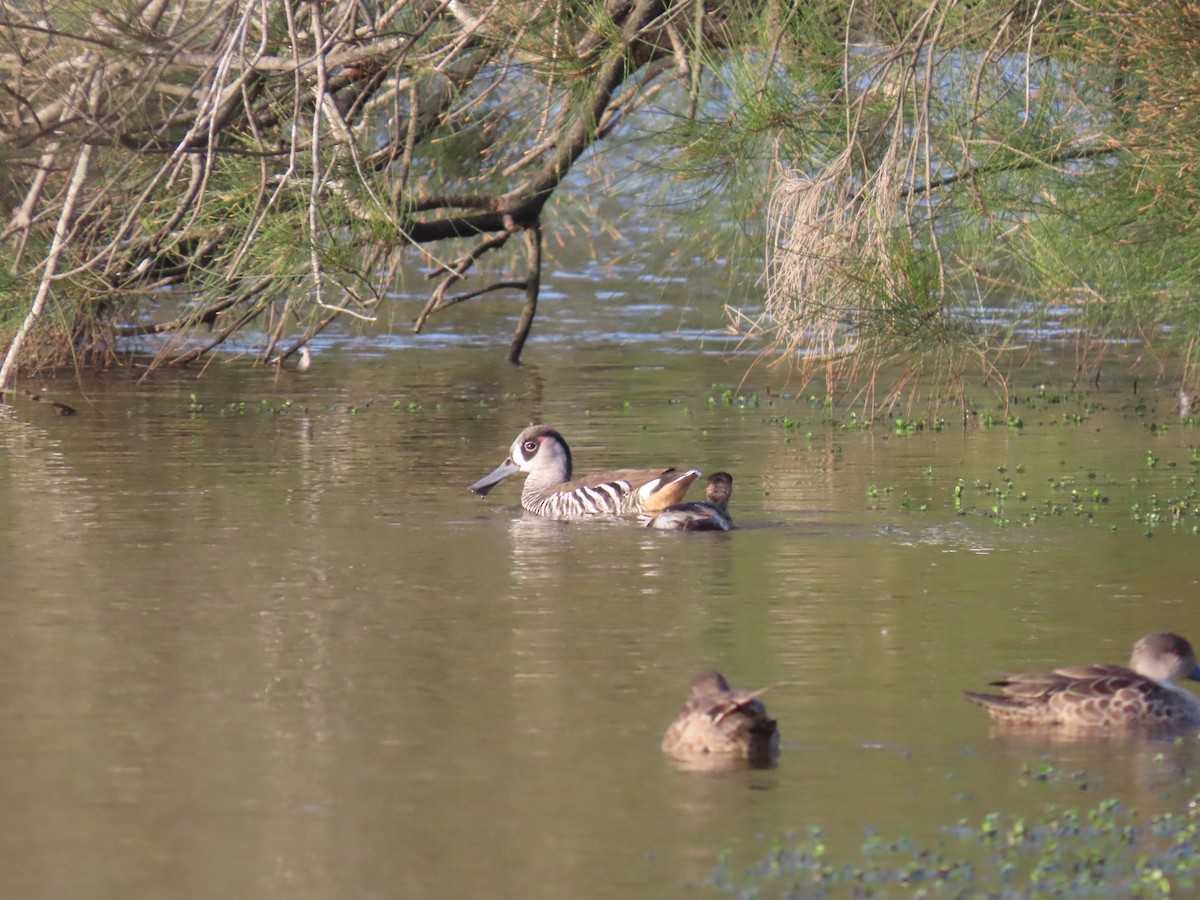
530,446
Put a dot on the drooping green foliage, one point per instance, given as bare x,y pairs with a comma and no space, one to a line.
948,182
935,183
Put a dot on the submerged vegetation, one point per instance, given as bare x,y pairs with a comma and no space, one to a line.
935,184
1105,850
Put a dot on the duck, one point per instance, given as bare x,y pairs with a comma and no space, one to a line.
549,490
720,728
303,361
710,515
1104,696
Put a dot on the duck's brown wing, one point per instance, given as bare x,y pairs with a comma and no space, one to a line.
733,723
1092,696
669,488
1118,700
1025,697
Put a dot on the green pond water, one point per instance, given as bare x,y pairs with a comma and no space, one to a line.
257,639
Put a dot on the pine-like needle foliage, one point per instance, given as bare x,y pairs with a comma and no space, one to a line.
949,182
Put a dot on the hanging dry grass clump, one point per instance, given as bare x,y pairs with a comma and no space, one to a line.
827,254
856,285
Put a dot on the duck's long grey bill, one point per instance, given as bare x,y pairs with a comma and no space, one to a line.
487,482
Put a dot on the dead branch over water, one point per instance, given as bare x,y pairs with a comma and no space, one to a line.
245,161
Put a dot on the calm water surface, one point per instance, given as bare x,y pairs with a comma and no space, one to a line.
257,640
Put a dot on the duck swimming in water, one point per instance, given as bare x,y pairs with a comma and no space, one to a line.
541,453
719,727
1141,695
711,515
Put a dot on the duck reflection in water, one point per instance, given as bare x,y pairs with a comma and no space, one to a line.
1102,698
720,729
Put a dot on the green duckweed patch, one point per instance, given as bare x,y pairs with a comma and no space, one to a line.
1157,488
730,397
1173,503
1107,850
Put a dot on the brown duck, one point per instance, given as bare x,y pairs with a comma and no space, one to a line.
719,727
711,515
1104,696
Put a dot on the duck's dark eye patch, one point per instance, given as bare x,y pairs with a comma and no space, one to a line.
530,446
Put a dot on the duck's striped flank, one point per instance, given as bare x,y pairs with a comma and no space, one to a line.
607,499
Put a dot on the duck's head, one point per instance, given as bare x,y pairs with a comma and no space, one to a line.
538,450
1165,657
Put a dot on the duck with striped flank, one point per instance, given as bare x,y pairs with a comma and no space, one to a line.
719,728
1103,696
711,515
541,453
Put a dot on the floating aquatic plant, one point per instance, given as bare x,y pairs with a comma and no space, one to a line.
1107,850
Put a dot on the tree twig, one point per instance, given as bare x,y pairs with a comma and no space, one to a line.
57,243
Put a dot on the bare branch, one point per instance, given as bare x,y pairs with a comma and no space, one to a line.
284,156
57,244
